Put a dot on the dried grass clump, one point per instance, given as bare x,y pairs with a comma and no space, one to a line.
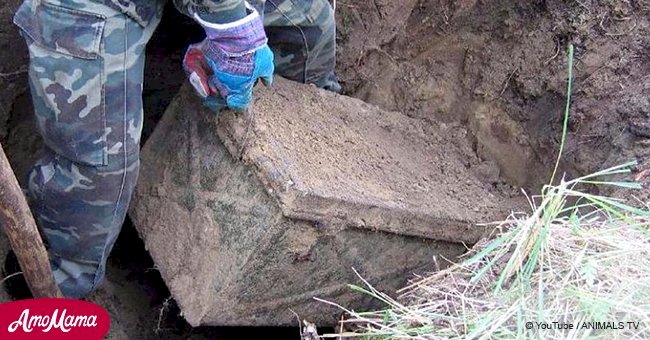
585,263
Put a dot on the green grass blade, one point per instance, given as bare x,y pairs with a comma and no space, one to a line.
618,169
626,185
565,124
487,250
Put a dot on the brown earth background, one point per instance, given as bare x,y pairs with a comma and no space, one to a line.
492,73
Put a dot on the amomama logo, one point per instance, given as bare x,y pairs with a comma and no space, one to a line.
52,319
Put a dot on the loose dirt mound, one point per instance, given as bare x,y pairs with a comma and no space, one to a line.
497,71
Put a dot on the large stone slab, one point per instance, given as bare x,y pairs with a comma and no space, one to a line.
336,159
304,187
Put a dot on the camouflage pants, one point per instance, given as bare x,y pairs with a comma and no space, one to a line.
86,74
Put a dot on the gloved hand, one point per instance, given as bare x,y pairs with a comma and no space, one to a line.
224,67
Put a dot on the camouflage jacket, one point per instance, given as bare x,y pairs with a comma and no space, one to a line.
143,11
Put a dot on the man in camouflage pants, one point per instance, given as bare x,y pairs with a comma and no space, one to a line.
86,74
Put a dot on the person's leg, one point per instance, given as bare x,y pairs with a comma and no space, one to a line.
302,35
86,73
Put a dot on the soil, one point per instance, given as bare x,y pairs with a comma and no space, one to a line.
493,72
497,70
13,54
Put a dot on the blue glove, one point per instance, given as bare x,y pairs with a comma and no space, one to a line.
224,67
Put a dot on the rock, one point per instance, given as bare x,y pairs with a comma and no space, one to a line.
305,186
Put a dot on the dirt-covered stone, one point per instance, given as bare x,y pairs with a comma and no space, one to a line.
335,159
313,185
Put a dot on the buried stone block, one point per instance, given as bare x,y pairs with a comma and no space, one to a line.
250,216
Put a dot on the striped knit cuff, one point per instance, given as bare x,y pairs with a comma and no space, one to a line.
221,12
239,37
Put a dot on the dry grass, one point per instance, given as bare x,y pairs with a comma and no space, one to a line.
570,263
